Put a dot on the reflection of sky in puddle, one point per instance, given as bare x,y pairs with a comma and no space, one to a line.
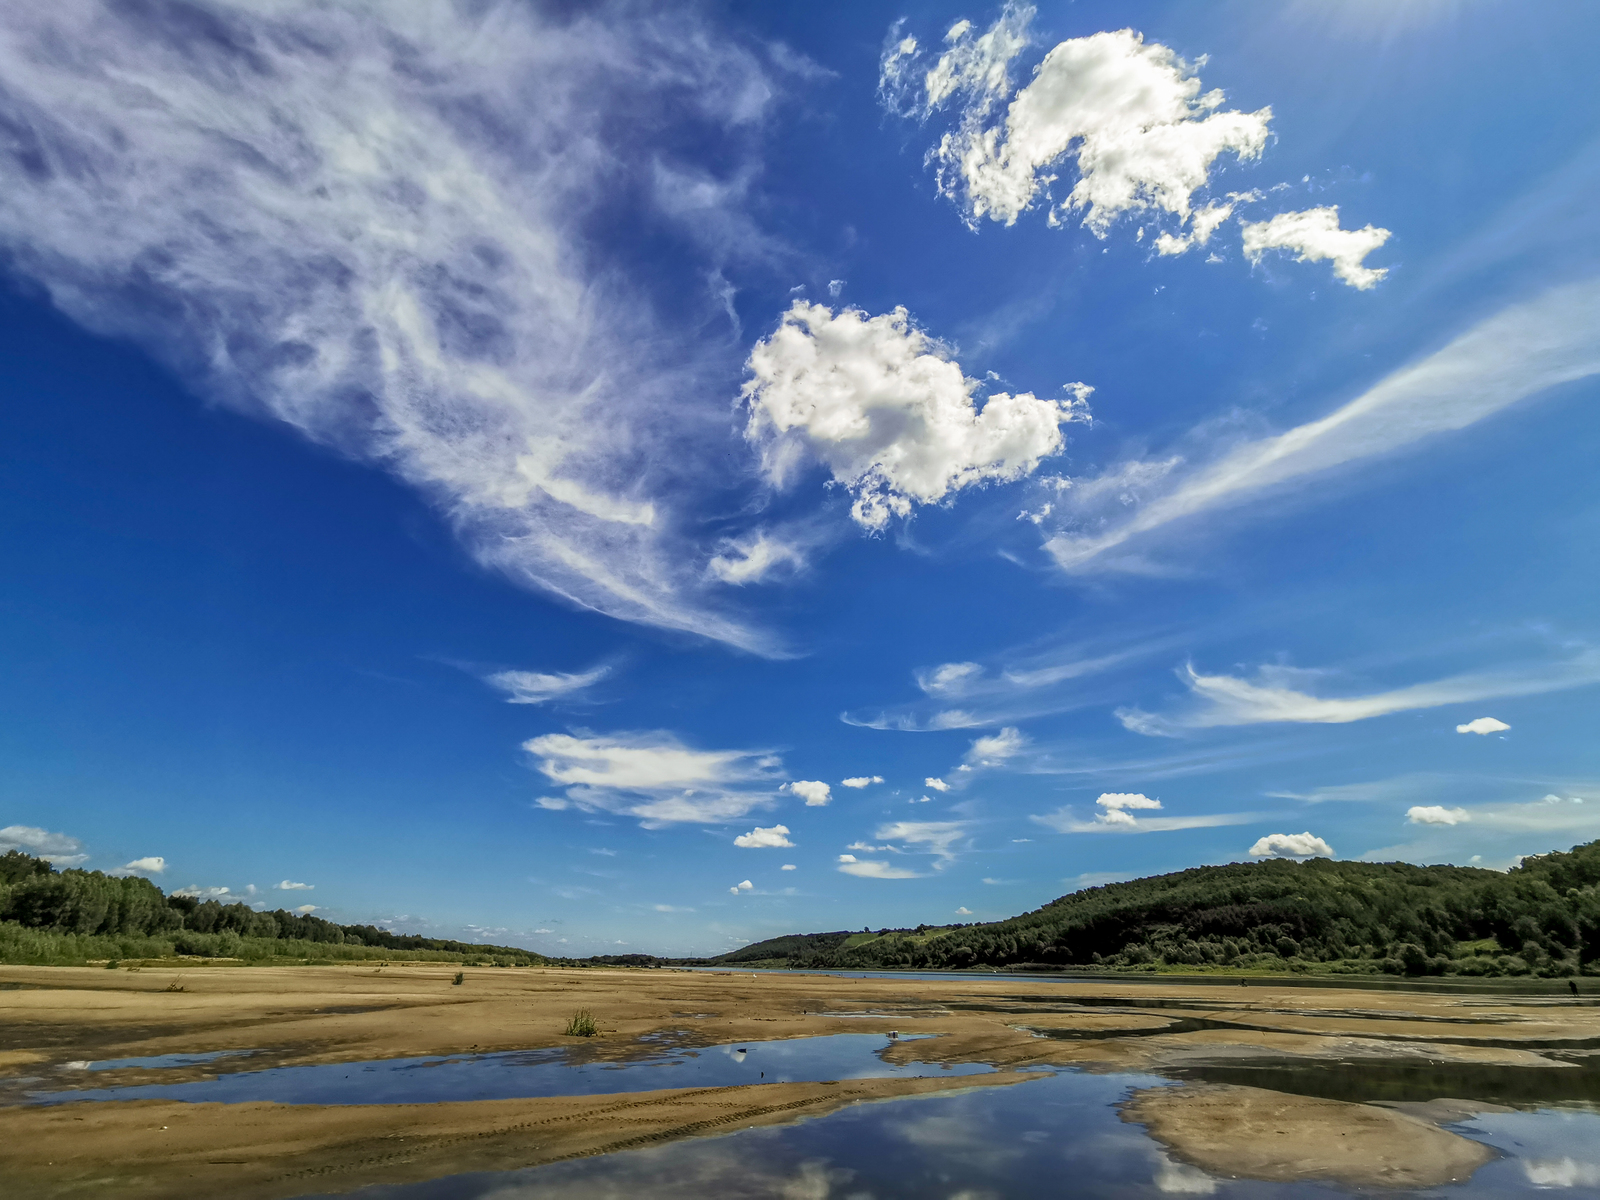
532,1073
153,1062
1054,1137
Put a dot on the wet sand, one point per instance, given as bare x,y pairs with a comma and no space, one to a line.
300,1015
1251,1133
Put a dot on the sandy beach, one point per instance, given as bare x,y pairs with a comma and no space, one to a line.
307,1015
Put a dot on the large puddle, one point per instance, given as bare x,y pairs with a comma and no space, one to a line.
521,1075
1058,1136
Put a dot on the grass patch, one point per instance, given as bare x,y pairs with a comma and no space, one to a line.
581,1024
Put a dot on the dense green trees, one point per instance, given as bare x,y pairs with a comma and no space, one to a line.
1541,918
73,915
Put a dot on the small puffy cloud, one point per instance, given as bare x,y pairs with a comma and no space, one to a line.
1130,115
886,410
1483,726
813,791
1315,235
997,748
964,911
742,886
153,865
936,784
870,869
56,848
1436,814
948,679
289,885
861,781
306,909
194,892
1115,801
777,837
1114,805
753,558
1291,845
653,776
788,867
537,687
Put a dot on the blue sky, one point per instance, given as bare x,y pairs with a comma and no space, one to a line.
490,467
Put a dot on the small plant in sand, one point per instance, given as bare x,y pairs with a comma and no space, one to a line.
581,1024
175,986
113,965
461,977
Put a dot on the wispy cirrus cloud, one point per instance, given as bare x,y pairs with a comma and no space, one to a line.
371,223
540,687
1115,817
1228,700
1516,354
653,776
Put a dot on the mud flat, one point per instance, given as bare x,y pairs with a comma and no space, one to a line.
60,1027
1251,1133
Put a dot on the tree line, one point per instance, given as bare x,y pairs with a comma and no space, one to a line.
1541,918
46,915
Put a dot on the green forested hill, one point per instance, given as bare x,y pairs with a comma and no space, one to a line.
50,916
1541,918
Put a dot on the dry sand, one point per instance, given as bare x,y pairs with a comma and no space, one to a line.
295,1015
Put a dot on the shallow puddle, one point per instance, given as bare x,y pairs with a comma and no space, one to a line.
1059,1136
533,1073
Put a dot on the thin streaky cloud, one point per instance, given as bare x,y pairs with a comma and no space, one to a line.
1226,700
1517,353
540,687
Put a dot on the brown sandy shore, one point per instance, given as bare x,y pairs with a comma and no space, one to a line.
53,1015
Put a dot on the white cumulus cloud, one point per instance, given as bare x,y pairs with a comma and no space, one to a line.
788,867
653,776
1436,814
1314,235
937,784
742,886
813,791
289,885
1129,115
758,838
152,865
1291,845
1483,726
861,781
537,687
886,410
57,848
371,222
